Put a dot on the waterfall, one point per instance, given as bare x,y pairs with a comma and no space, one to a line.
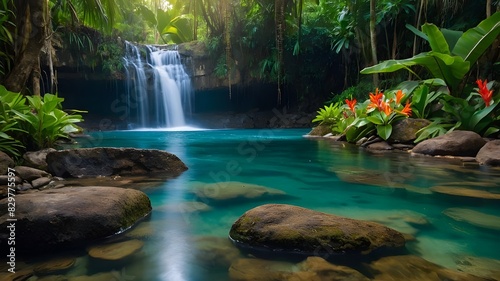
158,88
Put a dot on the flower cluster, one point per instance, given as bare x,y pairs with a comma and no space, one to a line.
377,113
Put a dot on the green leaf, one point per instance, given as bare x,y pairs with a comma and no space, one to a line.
375,119
417,32
384,131
475,41
436,39
451,36
449,68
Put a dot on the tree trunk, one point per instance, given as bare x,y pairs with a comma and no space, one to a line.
279,20
373,39
31,22
488,8
395,39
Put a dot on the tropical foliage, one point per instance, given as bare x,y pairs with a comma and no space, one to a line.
33,122
375,115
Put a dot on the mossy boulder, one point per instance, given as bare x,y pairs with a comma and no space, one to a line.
59,218
405,131
281,228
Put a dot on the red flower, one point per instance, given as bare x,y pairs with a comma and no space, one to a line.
386,108
376,100
484,92
351,104
407,109
399,96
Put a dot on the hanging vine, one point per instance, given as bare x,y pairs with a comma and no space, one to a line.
227,36
279,19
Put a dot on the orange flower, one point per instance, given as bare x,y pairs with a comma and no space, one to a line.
376,100
386,108
351,104
407,109
399,96
484,92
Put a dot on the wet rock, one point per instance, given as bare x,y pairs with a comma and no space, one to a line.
116,251
40,182
57,218
247,269
223,192
216,251
37,159
474,217
24,186
290,229
185,207
489,154
54,265
456,143
5,163
312,269
30,174
465,192
405,131
320,130
143,230
384,179
413,268
482,267
114,161
324,271
380,146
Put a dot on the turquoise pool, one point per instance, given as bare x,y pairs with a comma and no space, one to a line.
391,188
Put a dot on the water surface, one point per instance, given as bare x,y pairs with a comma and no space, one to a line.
318,174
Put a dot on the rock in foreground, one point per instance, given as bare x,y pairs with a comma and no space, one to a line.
291,229
107,161
60,217
456,143
489,154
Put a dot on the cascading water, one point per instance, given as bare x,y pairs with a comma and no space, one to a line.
159,89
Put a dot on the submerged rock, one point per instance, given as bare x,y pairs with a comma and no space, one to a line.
489,154
465,192
456,143
60,217
106,161
54,265
413,268
223,192
474,217
283,228
216,251
320,130
116,251
312,269
482,267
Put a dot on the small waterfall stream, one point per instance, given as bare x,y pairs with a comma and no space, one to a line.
158,88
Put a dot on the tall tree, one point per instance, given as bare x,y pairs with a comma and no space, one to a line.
279,19
373,37
31,34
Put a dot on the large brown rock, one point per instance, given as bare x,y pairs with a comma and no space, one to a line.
106,161
489,154
456,143
60,217
290,229
320,130
405,131
37,159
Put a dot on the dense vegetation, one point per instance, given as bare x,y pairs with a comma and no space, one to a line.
308,48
